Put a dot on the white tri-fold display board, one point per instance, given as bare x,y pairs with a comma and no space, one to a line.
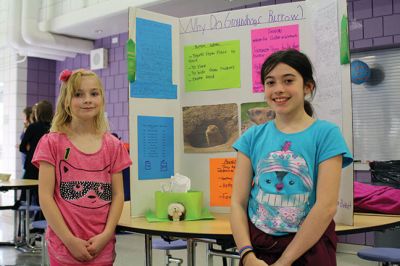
197,89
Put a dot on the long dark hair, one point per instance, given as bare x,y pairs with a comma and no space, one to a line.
44,111
296,60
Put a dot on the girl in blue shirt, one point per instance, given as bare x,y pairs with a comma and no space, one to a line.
287,178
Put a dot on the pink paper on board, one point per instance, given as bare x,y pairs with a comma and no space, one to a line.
266,41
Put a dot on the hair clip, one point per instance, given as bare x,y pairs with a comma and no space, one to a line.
64,75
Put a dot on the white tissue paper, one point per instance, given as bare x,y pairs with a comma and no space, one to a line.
177,183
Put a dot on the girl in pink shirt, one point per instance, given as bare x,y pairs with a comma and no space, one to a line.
80,175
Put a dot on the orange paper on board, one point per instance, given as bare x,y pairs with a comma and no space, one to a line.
221,181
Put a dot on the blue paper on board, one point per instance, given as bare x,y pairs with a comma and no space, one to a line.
146,89
153,61
156,147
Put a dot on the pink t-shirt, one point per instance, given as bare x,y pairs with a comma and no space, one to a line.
82,190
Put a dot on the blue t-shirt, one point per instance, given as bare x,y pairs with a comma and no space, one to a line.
285,169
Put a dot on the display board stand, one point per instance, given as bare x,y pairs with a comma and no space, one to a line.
202,74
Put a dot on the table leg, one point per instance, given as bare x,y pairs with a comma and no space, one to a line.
27,218
191,252
15,217
209,255
28,247
148,249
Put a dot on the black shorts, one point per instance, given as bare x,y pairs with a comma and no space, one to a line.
269,248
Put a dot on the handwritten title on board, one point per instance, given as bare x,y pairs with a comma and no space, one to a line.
226,20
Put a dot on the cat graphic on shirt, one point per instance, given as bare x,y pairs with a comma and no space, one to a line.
281,191
84,188
285,195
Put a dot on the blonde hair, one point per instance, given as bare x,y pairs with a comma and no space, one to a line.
63,117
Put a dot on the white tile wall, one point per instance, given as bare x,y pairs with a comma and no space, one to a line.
14,77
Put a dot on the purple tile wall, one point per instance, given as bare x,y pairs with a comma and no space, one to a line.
373,24
114,79
40,80
362,176
358,239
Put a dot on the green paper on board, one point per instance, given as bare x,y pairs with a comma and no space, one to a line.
131,59
344,42
212,66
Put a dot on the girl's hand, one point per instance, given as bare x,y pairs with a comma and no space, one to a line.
252,260
78,249
97,243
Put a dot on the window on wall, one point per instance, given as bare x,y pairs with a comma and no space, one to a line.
1,117
376,108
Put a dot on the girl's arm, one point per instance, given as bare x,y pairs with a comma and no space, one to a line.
240,197
321,214
54,218
98,242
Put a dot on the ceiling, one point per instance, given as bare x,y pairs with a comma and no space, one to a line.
111,18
